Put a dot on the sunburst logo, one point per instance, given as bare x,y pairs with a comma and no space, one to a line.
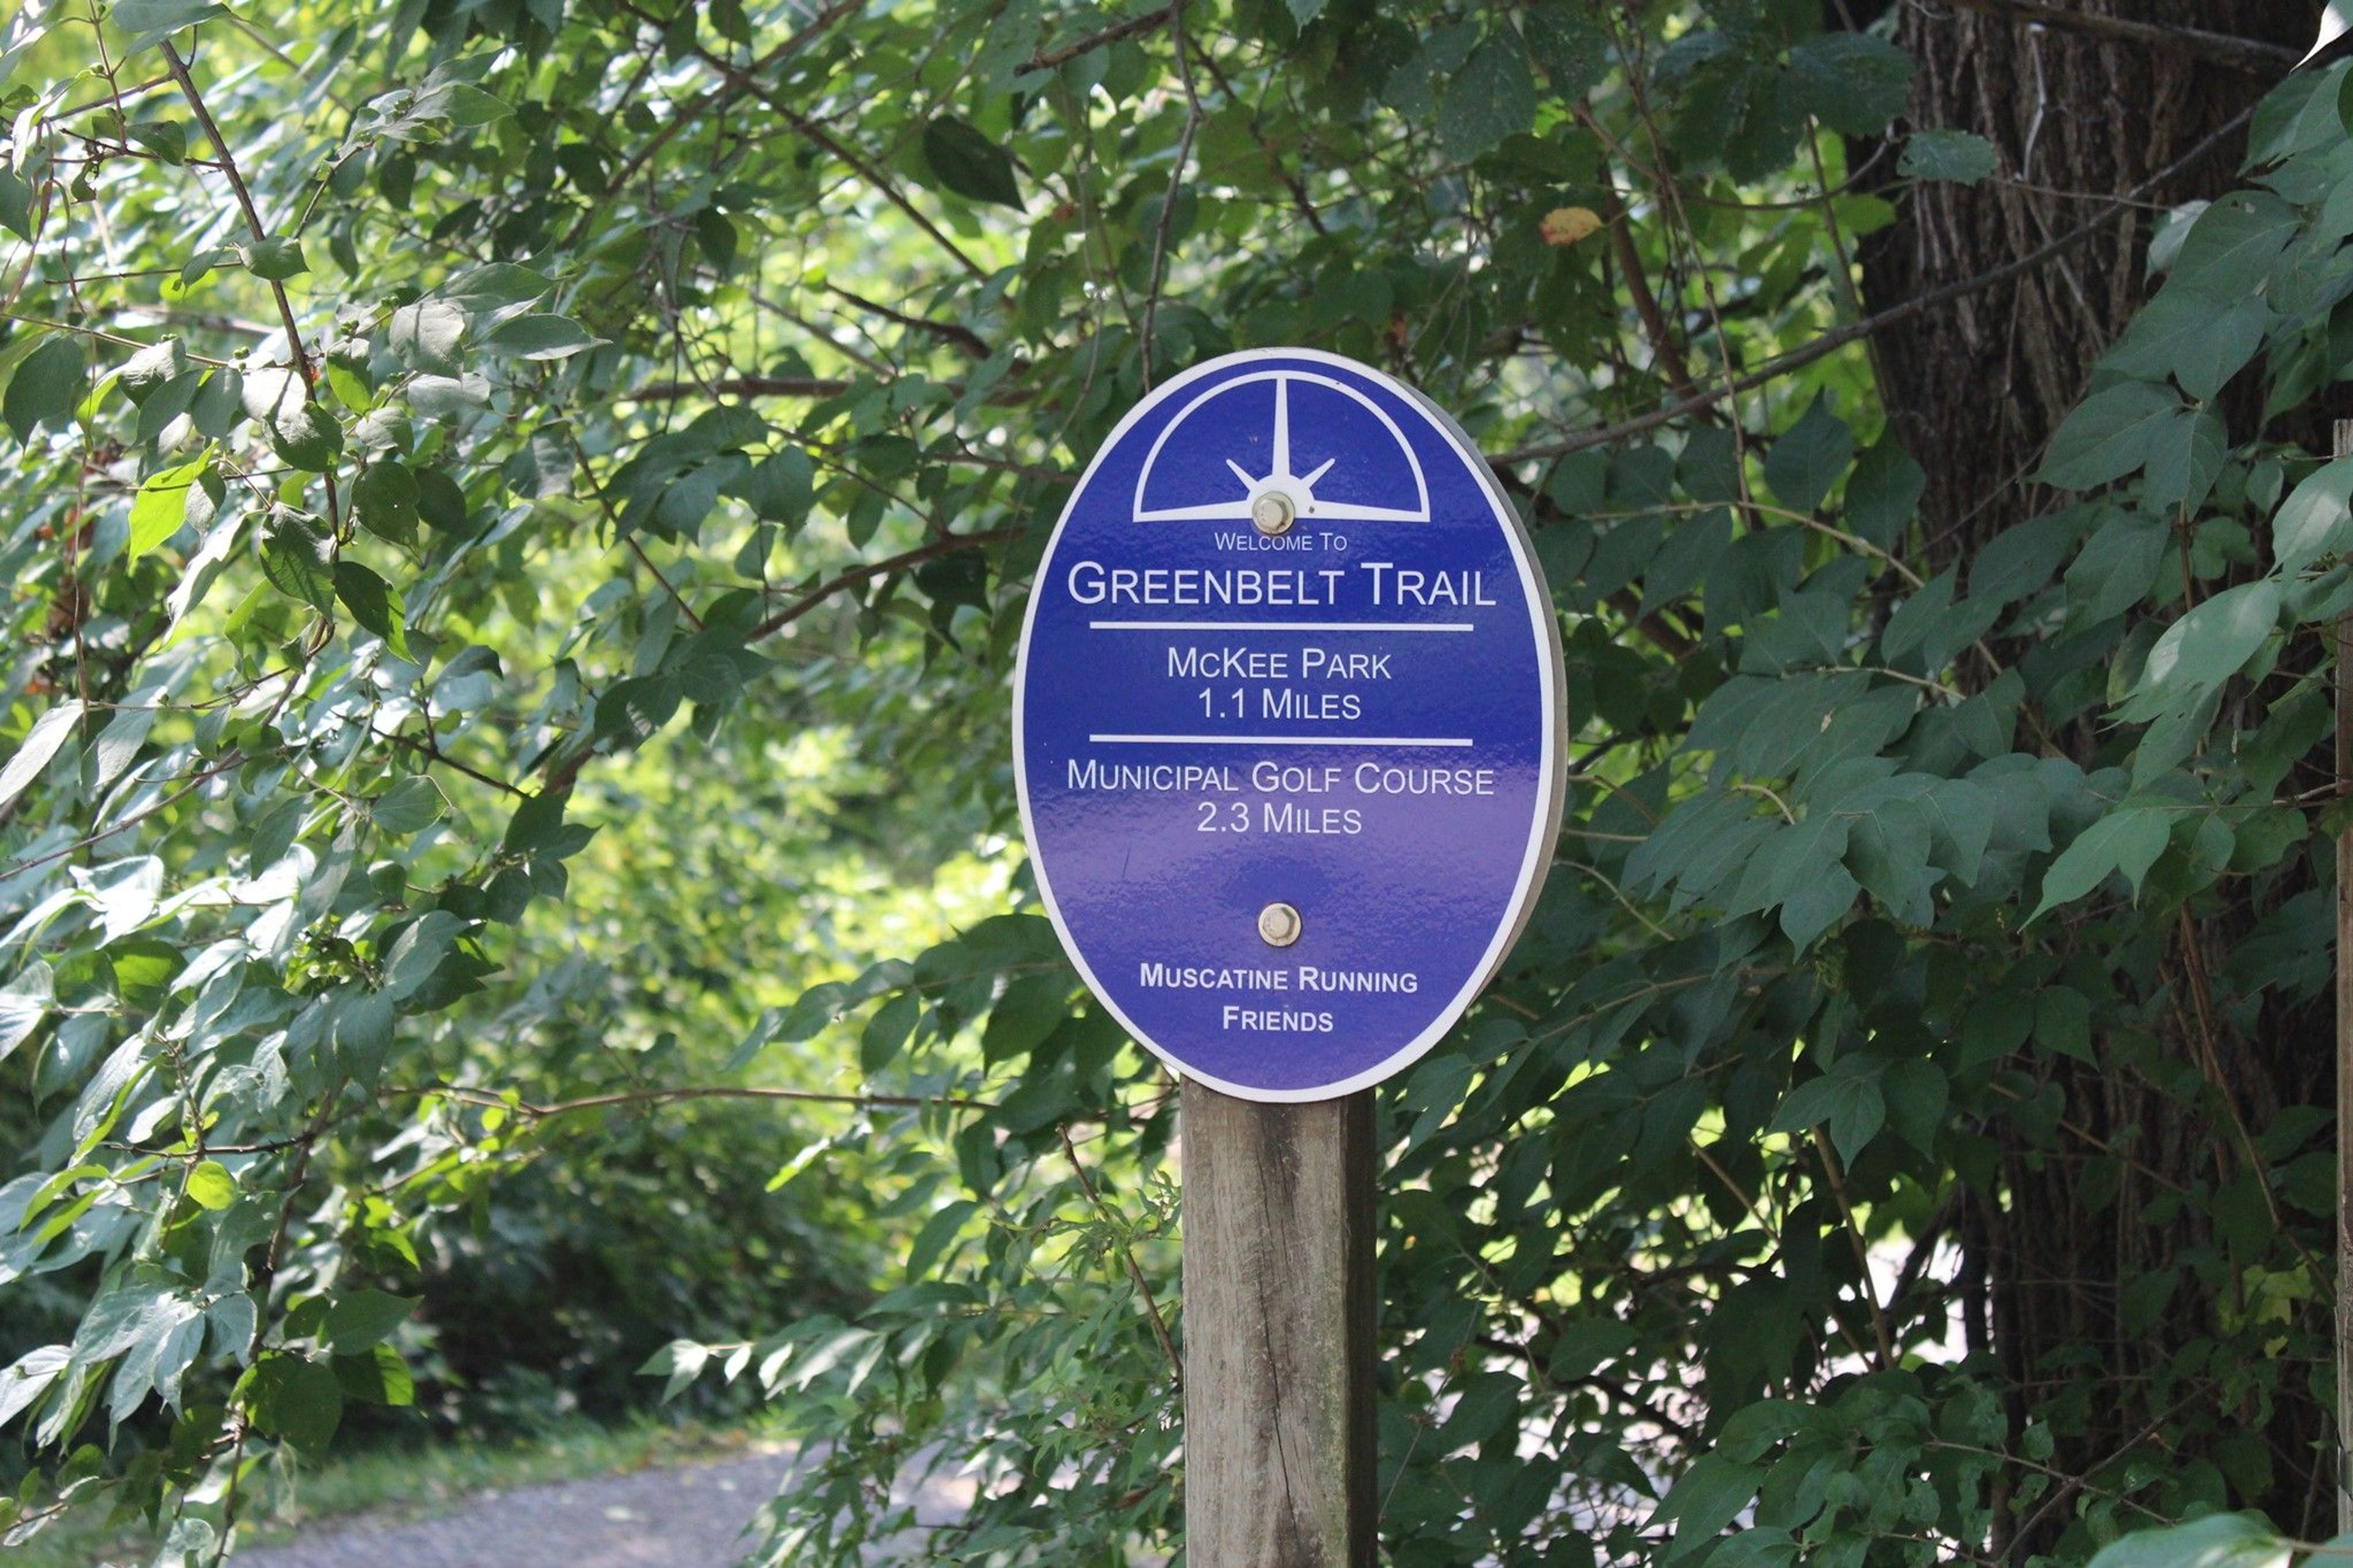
1292,443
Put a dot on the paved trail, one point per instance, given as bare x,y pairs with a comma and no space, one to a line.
686,1518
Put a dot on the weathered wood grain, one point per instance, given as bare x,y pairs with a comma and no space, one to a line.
1278,1317
2342,433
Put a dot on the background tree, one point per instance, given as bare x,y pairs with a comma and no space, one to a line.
1975,392
522,513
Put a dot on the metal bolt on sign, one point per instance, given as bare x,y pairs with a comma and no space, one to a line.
1279,925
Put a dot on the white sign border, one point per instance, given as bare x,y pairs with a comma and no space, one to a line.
1543,830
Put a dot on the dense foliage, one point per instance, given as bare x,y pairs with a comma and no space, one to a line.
521,513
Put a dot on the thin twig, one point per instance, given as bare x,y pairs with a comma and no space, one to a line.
430,748
1047,60
1175,184
1134,1272
179,69
742,386
614,520
1863,1285
1829,342
956,332
2067,1489
865,170
234,759
2251,54
664,1095
809,601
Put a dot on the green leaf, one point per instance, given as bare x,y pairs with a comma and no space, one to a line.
409,805
384,497
1959,156
1489,1402
1810,458
1819,904
2118,566
361,1318
938,1233
275,260
2128,839
2020,559
2204,648
143,967
47,384
153,368
449,397
1708,1496
150,22
424,336
2199,339
29,1377
965,163
1853,82
441,503
2185,462
631,712
2317,519
1846,1101
23,1004
470,106
307,437
1916,1093
377,1376
15,203
1996,1024
1568,48
2217,1541
168,139
2063,1023
886,1033
1492,97
297,1399
2230,248
2109,435
1024,1016
161,506
418,952
211,1185
298,556
780,488
1883,494
1887,852
50,732
680,1361
1931,625
540,336
374,602
1960,824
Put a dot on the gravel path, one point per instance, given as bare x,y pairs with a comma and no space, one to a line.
686,1518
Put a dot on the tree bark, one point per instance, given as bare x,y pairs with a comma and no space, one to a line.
1976,391
1973,393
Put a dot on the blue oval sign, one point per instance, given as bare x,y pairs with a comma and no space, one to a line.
1287,724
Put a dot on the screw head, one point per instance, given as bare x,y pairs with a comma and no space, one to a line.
1273,513
1279,925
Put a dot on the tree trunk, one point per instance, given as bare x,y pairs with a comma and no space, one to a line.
1974,391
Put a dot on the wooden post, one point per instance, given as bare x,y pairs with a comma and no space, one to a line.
2342,447
1279,1309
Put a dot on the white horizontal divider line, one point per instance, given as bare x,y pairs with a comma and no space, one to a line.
1273,740
1281,626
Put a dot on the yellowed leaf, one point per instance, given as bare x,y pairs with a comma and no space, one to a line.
1566,225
